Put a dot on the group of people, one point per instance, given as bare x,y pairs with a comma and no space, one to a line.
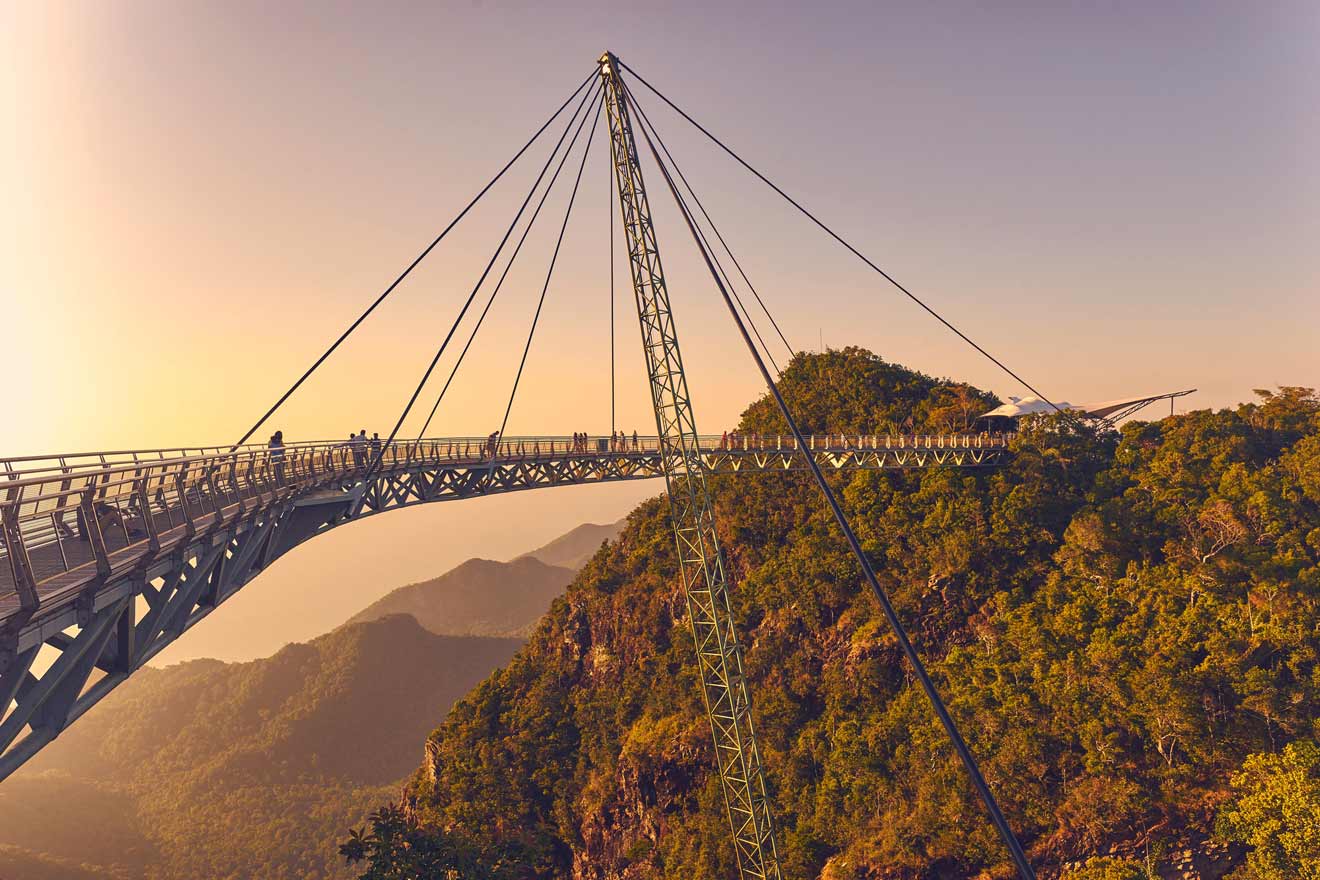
617,442
739,440
364,451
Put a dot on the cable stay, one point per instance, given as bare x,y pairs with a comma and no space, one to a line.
646,122
840,239
951,729
413,265
568,213
494,293
609,213
718,265
376,460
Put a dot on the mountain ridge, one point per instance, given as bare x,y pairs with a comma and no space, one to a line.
474,592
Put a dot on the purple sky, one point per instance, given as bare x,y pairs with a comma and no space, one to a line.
1116,198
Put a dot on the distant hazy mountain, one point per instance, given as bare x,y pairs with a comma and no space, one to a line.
214,770
575,548
480,597
486,598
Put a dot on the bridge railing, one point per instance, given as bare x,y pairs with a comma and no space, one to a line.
58,513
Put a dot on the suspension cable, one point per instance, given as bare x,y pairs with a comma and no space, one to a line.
673,163
814,219
375,463
568,212
610,216
545,194
413,265
643,120
950,727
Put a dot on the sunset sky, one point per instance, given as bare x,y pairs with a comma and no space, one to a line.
1115,198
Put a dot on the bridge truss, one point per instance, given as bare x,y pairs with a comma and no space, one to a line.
108,558
701,564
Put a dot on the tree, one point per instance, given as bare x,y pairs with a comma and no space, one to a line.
397,848
1276,811
1108,868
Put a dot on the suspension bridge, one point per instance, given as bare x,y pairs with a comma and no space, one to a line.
107,557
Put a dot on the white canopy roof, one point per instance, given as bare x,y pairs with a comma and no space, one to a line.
1021,406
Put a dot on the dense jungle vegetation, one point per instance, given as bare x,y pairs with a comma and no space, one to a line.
1124,624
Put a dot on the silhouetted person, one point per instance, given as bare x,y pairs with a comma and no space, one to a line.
634,441
108,515
359,442
276,446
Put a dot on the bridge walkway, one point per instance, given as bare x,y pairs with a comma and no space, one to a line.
79,519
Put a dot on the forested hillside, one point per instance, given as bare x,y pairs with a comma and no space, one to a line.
1117,619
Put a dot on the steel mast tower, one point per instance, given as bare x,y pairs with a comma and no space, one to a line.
705,579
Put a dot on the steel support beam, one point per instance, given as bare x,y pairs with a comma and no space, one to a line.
701,563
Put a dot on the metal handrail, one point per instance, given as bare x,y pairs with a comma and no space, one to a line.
710,442
73,506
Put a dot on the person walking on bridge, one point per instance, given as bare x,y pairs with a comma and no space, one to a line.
276,446
359,442
634,440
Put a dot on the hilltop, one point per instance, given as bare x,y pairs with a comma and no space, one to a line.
482,597
479,597
1117,619
573,548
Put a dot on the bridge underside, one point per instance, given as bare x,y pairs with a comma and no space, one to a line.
104,618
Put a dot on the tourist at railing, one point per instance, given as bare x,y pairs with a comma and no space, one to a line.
276,447
359,442
108,515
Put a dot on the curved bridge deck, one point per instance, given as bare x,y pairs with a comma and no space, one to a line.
108,557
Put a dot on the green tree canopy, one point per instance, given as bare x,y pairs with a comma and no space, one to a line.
1276,811
1116,619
